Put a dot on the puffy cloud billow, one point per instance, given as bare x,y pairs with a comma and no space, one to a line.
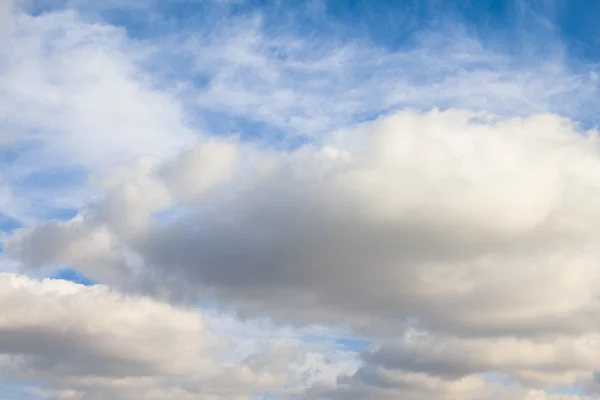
93,342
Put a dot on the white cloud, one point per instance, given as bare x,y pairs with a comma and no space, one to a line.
464,224
75,98
383,385
445,211
548,362
92,342
197,172
81,83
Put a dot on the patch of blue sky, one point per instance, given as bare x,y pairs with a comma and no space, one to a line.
221,123
17,149
496,377
385,23
11,390
8,156
8,223
72,275
56,179
502,22
163,18
209,305
352,344
574,390
165,217
142,19
51,193
577,22
339,343
60,213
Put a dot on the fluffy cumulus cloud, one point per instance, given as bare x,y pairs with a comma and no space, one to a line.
408,217
92,342
272,213
477,231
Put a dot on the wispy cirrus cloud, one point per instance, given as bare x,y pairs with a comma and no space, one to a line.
309,87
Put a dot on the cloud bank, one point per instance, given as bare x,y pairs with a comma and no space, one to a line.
477,229
91,342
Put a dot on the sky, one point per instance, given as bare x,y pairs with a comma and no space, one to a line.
318,200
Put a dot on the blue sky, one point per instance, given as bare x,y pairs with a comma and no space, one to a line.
105,103
390,24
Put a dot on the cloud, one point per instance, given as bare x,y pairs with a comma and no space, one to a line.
75,99
408,217
83,84
216,160
474,227
387,386
558,361
92,342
